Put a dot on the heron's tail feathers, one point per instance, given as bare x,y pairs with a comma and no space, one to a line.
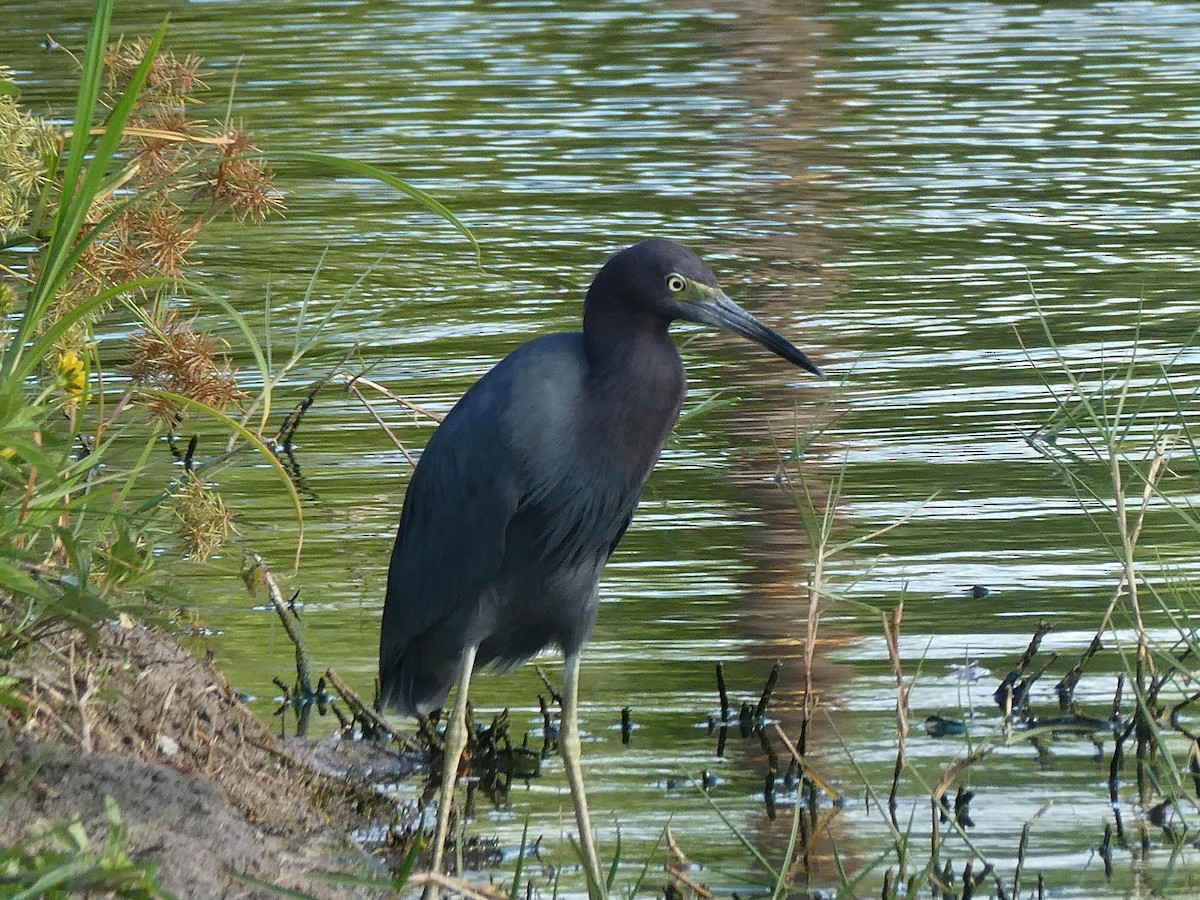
416,683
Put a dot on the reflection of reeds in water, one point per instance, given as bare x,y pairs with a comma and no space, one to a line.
1113,444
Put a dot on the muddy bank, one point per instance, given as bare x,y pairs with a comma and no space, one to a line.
203,787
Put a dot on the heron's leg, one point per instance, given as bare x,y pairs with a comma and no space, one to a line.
569,747
456,739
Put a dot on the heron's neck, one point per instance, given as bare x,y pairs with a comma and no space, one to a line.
636,381
623,342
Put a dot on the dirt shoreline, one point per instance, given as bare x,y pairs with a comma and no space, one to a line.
202,785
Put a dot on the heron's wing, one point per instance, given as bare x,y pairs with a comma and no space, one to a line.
450,544
469,484
620,532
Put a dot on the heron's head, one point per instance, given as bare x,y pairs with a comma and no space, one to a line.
671,282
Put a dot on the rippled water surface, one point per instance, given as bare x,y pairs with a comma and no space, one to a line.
890,184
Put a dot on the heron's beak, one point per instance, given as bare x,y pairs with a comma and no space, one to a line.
710,306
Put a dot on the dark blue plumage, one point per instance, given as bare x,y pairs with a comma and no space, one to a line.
526,488
509,519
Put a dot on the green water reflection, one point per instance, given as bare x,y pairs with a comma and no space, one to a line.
888,183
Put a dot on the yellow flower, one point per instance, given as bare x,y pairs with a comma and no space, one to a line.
72,375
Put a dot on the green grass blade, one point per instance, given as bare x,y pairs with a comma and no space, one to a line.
85,103
406,867
594,890
515,892
741,838
354,167
612,870
59,256
637,884
130,480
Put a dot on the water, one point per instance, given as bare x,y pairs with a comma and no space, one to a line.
891,185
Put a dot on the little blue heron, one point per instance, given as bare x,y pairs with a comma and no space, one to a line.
525,489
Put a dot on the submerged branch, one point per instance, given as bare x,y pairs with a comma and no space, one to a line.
291,621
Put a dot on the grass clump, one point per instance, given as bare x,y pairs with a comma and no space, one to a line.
60,861
104,216
203,519
93,217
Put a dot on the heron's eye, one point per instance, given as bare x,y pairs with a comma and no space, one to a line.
676,282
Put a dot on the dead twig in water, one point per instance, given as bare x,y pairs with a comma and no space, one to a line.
353,381
363,712
724,695
287,614
554,695
287,430
677,873
1065,689
352,388
891,634
453,884
420,410
767,691
1009,696
938,797
809,772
